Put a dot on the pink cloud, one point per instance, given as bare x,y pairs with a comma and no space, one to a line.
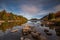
57,8
29,9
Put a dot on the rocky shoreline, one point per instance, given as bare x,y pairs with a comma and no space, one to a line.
29,33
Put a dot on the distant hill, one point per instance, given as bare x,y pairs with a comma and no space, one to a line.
10,16
52,17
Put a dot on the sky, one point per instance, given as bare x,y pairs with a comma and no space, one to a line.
30,8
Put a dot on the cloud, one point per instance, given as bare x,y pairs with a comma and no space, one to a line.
57,8
26,15
29,9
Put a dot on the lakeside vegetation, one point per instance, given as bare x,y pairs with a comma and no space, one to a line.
10,17
52,18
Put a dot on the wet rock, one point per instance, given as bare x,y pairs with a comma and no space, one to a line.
35,35
27,39
43,37
42,25
30,32
46,30
26,30
21,38
14,30
48,33
58,33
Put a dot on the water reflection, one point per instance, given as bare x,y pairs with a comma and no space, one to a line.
54,30
57,29
5,26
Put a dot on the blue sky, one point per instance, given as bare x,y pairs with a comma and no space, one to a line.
30,8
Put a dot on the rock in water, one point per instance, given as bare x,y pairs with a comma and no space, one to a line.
48,33
22,38
46,30
14,30
43,38
27,39
35,35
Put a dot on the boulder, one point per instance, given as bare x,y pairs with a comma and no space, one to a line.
46,30
48,33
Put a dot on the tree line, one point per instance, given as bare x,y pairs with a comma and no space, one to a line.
10,16
52,16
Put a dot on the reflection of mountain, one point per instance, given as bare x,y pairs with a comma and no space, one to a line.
34,20
57,29
5,16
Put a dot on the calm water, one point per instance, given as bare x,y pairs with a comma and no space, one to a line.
6,28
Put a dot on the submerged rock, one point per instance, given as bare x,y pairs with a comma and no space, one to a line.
58,33
48,33
27,39
46,30
36,35
14,30
43,38
26,29
21,38
29,33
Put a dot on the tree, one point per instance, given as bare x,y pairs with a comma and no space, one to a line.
4,16
51,16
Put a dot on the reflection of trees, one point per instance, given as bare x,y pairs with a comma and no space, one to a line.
51,27
57,29
6,25
10,17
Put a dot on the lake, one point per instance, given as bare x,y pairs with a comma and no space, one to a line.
7,34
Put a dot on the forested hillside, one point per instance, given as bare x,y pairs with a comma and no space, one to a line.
6,16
